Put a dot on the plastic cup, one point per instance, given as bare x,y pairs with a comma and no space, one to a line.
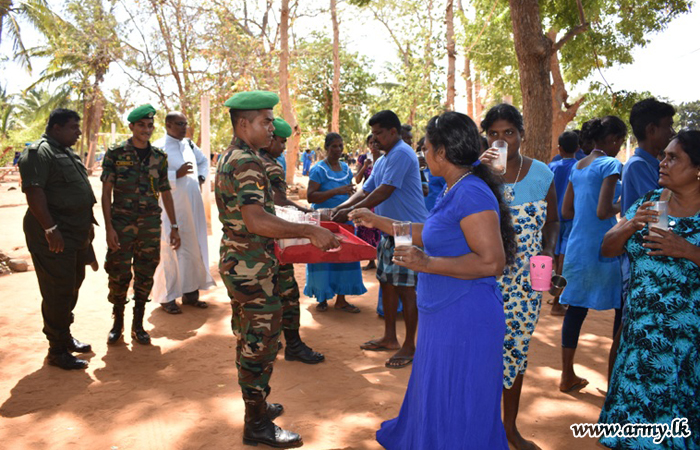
325,214
662,208
499,165
314,217
403,236
421,162
541,273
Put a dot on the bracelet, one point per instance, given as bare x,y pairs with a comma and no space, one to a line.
50,230
174,226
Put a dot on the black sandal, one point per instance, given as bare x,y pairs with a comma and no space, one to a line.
171,307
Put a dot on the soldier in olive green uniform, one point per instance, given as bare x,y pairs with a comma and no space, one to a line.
58,229
134,176
248,265
296,349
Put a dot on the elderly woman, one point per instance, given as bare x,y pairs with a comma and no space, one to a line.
330,184
530,192
656,376
454,393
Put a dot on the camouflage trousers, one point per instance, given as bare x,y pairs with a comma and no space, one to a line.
139,249
289,294
256,322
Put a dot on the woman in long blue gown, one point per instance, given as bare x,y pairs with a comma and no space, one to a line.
594,281
453,399
330,184
656,376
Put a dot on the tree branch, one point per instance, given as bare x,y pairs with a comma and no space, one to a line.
578,29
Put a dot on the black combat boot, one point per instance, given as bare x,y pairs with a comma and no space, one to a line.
116,332
296,350
259,428
61,357
274,410
137,331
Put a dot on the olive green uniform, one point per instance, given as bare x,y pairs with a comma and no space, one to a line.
249,268
289,289
135,217
48,165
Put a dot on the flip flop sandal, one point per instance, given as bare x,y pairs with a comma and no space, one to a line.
171,307
398,362
349,308
197,303
372,346
322,307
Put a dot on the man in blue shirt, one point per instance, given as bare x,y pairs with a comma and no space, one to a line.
652,125
394,191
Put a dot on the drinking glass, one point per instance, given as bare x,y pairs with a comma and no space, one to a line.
499,165
403,236
662,208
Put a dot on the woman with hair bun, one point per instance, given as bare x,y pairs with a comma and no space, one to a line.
453,396
594,281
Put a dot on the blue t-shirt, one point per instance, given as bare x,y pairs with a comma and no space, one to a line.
283,163
435,187
578,156
639,176
561,169
322,174
399,168
443,236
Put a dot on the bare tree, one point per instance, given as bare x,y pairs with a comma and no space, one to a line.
451,56
287,109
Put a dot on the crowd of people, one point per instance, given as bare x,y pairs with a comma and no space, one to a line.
475,224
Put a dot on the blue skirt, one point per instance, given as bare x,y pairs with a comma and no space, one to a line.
326,280
453,398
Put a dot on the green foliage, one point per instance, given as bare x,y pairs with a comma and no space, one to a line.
312,68
688,115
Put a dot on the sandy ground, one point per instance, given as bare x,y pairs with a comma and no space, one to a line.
181,392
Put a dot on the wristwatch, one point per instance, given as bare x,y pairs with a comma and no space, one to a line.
50,230
202,179
175,226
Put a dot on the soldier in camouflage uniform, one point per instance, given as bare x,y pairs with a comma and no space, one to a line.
295,350
58,229
248,265
134,176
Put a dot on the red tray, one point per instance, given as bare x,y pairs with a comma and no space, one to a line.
352,249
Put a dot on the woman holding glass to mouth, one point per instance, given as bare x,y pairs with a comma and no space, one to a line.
454,393
656,376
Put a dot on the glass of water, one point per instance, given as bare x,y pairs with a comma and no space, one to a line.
662,208
403,236
499,165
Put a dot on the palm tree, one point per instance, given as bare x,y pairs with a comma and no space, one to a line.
36,12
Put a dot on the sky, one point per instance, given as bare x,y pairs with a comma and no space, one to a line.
668,66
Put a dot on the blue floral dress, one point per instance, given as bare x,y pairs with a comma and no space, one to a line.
656,377
522,304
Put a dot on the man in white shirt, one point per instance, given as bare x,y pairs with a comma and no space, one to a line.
183,272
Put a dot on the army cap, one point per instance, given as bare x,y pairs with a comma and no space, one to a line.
142,112
252,100
282,128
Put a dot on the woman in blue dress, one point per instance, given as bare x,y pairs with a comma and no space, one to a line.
656,376
330,184
453,396
594,281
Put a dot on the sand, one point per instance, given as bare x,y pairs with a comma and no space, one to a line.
181,392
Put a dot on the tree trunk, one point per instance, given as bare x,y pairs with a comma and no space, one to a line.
94,120
562,111
451,56
335,115
469,85
287,110
478,101
533,50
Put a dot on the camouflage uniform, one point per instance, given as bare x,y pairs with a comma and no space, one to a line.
135,218
289,289
249,268
62,176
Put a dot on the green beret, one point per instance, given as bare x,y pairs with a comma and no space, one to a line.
282,128
142,112
252,100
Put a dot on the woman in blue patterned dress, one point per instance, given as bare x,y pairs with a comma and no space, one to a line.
593,280
656,376
453,397
530,192
330,184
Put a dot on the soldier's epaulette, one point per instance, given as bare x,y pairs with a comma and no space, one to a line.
116,147
34,146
